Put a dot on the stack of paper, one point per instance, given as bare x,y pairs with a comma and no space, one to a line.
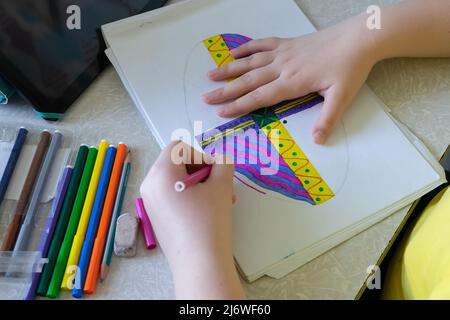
321,195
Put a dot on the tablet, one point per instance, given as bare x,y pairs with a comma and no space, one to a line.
52,51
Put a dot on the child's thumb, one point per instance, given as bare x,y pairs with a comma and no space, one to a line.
336,102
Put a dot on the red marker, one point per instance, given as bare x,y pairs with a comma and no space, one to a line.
193,179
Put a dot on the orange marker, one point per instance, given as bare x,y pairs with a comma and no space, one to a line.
99,244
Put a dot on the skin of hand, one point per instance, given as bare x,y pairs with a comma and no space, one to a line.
334,62
273,70
194,227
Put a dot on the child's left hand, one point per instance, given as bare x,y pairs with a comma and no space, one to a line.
334,62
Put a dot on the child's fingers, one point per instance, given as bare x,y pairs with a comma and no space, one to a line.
187,156
175,157
265,96
241,66
197,161
170,161
242,85
222,173
335,103
164,171
255,46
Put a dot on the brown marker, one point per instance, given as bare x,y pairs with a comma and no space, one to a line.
14,226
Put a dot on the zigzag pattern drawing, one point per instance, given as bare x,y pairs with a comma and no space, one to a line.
263,132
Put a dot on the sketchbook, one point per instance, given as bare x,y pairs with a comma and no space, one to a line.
296,200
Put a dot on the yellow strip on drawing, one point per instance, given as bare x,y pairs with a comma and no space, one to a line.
219,50
299,163
286,146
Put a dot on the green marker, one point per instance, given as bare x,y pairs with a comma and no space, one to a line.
61,263
62,221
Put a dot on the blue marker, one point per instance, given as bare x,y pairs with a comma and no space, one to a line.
94,220
12,161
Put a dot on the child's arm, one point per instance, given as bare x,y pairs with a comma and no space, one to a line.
194,228
334,62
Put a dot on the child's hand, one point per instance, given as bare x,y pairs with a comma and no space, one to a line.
193,227
333,62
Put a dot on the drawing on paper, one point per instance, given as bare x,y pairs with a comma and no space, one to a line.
263,132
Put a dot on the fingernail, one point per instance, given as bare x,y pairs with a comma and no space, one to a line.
208,159
319,137
222,112
207,98
212,73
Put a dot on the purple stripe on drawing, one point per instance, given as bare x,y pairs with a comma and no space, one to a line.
234,41
227,126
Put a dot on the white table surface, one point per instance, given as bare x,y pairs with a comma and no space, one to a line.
416,90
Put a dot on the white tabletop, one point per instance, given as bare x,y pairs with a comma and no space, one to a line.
416,90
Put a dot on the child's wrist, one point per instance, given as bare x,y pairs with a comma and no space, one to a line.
200,257
187,268
367,41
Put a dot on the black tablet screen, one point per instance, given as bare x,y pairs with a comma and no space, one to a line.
46,56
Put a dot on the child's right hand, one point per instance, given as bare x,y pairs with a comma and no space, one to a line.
334,62
194,227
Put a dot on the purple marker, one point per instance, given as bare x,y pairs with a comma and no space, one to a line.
52,219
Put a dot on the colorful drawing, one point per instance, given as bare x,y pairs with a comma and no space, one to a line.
263,132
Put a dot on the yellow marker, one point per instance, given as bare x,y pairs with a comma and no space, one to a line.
84,219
